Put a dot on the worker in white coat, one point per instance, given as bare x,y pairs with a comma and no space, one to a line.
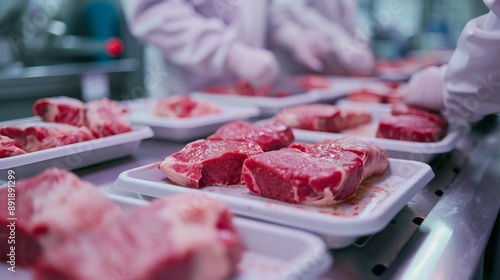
468,87
206,42
210,42
323,35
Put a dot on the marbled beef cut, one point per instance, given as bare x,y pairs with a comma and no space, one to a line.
40,136
410,128
105,117
403,110
50,208
181,237
61,110
314,176
375,158
9,147
184,107
269,137
208,162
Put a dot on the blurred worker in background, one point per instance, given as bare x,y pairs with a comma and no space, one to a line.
206,42
468,87
212,42
323,36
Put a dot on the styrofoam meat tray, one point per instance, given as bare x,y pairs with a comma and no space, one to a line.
184,129
377,201
378,108
76,155
272,252
268,106
342,86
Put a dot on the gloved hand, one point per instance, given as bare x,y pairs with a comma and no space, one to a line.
357,57
310,49
259,67
426,88
307,47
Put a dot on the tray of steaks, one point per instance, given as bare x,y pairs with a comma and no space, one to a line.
340,189
406,132
183,118
125,238
67,133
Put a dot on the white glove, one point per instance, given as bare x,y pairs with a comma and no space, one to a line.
310,49
426,88
255,65
355,56
307,47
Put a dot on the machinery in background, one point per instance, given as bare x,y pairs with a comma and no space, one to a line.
76,48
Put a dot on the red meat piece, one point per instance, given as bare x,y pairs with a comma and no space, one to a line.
268,137
40,136
375,158
410,128
182,237
105,118
61,110
184,107
402,109
50,208
317,176
207,163
9,147
322,117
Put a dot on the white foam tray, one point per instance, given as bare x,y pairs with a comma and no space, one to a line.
185,129
76,155
268,106
271,252
378,200
342,86
378,108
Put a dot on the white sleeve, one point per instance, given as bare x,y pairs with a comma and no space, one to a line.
184,36
472,79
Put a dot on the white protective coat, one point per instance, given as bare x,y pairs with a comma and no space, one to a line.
350,50
472,76
468,87
195,36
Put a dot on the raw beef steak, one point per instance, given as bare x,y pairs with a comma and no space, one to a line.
402,109
9,147
184,107
40,136
268,137
322,117
316,176
374,157
207,163
182,237
50,208
61,110
410,128
105,118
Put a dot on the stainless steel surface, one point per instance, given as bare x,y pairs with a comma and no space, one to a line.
456,213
